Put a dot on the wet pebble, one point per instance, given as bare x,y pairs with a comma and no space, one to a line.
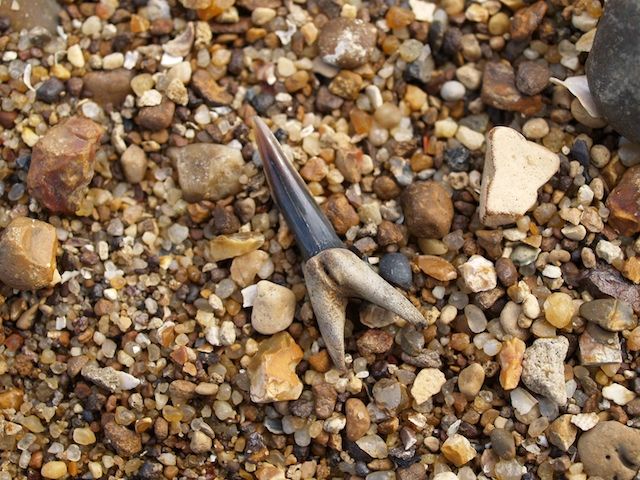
396,269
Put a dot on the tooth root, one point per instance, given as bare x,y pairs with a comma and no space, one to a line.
329,307
311,228
335,275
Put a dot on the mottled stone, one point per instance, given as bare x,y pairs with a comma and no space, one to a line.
624,203
526,20
346,43
125,442
28,254
437,267
610,314
610,450
599,347
358,420
272,370
562,433
543,368
206,86
208,171
458,450
612,67
62,164
499,90
340,212
158,117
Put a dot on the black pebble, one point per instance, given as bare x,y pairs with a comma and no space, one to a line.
395,269
458,159
50,90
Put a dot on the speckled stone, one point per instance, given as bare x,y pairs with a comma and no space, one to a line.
396,269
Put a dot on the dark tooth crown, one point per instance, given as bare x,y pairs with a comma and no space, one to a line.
311,227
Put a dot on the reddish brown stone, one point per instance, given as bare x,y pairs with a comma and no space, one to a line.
158,117
110,87
428,209
526,20
499,90
62,164
374,342
624,203
213,94
341,213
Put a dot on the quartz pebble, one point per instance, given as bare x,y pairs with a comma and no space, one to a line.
543,368
272,370
427,383
208,171
510,358
618,394
62,164
503,444
514,171
28,251
54,469
273,308
479,274
471,379
559,309
562,433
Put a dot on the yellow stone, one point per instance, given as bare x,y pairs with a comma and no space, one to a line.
54,470
234,245
510,358
84,436
559,309
458,450
272,370
11,398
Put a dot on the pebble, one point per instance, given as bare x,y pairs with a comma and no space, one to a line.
207,171
470,138
273,308
526,20
479,274
158,117
62,164
340,212
499,90
470,380
272,370
610,450
84,436
223,247
28,251
599,347
437,267
458,450
54,469
374,446
428,209
111,87
346,85
609,65
124,441
200,443
503,444
611,314
31,14
559,309
205,85
346,43
535,129
134,164
532,77
624,203
358,420
396,269
50,90
543,368
427,383
618,394
514,171
562,433
510,359
452,91
458,159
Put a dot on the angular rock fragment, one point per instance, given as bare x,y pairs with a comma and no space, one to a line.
223,247
458,450
605,281
612,67
272,370
479,274
543,368
599,347
62,164
208,171
28,254
206,86
526,20
611,314
514,170
124,441
510,358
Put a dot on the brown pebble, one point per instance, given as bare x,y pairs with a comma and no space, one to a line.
346,43
62,164
158,117
108,87
526,20
340,212
428,209
507,272
213,94
499,90
532,77
374,342
124,441
358,420
624,203
325,396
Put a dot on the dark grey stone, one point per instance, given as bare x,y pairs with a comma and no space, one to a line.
613,67
395,269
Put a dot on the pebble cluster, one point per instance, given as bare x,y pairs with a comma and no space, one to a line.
154,320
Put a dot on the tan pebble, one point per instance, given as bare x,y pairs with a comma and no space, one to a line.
458,450
54,470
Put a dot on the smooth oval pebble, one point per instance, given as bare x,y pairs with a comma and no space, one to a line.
610,314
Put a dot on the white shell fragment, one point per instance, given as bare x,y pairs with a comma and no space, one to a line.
579,87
